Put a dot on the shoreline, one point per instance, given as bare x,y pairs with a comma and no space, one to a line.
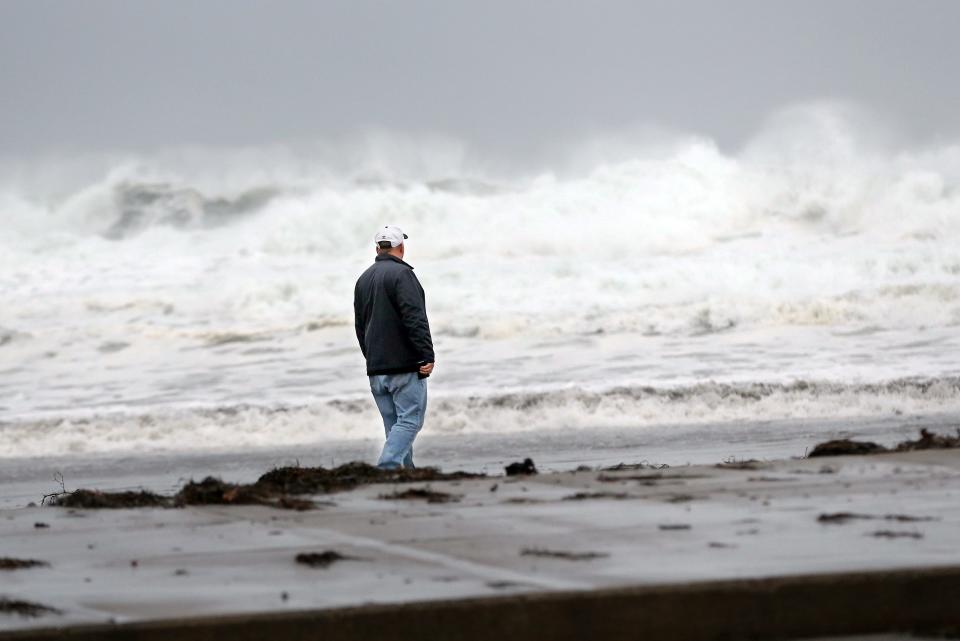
461,407
25,480
593,535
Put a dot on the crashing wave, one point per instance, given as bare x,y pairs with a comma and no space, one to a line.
143,205
638,408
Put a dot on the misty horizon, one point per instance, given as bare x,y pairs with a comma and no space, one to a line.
504,79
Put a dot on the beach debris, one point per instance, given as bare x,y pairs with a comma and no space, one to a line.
421,494
583,496
679,498
563,554
844,517
522,500
504,585
180,572
655,478
523,468
493,488
25,608
844,447
8,563
741,464
213,491
906,518
841,517
58,478
273,489
322,559
891,534
928,441
668,527
39,525
769,479
643,465
719,545
319,480
94,499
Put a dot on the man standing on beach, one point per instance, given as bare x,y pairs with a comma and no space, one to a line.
390,314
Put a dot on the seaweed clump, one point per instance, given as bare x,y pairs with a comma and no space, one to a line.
95,499
845,447
213,491
321,559
277,488
319,480
25,608
843,517
522,468
8,563
584,496
738,464
563,554
893,534
928,441
421,494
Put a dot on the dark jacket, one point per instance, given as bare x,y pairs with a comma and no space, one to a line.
390,313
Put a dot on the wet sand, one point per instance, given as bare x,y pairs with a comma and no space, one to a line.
25,480
581,533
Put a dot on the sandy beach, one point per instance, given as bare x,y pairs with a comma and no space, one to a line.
663,251
581,532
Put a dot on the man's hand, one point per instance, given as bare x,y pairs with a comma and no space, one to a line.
426,369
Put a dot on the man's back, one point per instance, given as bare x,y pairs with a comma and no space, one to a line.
391,318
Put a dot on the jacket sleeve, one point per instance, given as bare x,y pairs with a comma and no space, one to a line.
358,321
413,313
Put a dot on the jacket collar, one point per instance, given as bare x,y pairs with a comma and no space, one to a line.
393,258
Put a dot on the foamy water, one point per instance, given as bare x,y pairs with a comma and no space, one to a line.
201,299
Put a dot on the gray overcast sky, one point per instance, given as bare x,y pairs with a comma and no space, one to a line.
98,74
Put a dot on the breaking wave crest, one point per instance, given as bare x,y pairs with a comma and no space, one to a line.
635,408
817,166
812,222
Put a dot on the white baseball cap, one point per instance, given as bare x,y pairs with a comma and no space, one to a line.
391,233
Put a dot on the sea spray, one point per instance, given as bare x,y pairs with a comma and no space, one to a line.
224,277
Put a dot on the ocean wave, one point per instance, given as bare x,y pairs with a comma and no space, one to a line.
812,167
163,266
635,408
140,206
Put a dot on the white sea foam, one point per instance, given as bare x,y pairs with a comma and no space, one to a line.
639,408
206,277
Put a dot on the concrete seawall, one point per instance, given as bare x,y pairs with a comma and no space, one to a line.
920,601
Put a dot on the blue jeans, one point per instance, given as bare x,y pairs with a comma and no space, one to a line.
402,401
